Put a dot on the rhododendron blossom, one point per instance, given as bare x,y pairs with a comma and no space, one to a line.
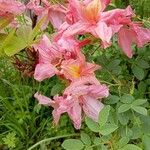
11,7
74,69
80,95
55,13
8,10
87,16
49,58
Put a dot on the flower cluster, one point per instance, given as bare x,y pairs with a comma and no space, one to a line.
62,55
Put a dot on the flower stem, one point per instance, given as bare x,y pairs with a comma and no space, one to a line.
50,139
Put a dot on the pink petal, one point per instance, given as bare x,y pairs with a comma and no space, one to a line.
43,99
92,107
11,6
75,115
44,71
98,91
76,28
143,35
103,32
125,39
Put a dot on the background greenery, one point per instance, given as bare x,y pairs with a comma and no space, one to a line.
124,123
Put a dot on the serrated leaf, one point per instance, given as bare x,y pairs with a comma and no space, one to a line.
85,139
107,129
103,115
92,125
138,72
130,147
139,102
140,110
72,144
124,108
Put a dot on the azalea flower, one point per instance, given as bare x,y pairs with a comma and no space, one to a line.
11,7
75,69
53,55
55,13
86,16
49,58
120,20
81,95
8,10
133,33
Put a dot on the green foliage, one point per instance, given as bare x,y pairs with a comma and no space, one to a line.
72,144
19,39
123,123
10,140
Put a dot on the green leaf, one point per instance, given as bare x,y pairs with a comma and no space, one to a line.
138,72
13,44
85,139
143,64
124,108
92,125
72,144
140,110
10,140
103,115
139,102
24,32
123,141
137,131
146,142
2,38
107,129
130,147
36,29
127,99
123,118
112,99
88,148
56,89
113,63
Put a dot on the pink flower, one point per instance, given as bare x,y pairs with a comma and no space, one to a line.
80,95
133,33
11,7
49,58
75,69
8,10
55,13
86,91
62,105
86,18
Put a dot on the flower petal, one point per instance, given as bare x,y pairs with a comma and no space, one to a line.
92,107
44,71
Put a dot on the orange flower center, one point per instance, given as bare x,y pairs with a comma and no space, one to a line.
91,11
74,71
